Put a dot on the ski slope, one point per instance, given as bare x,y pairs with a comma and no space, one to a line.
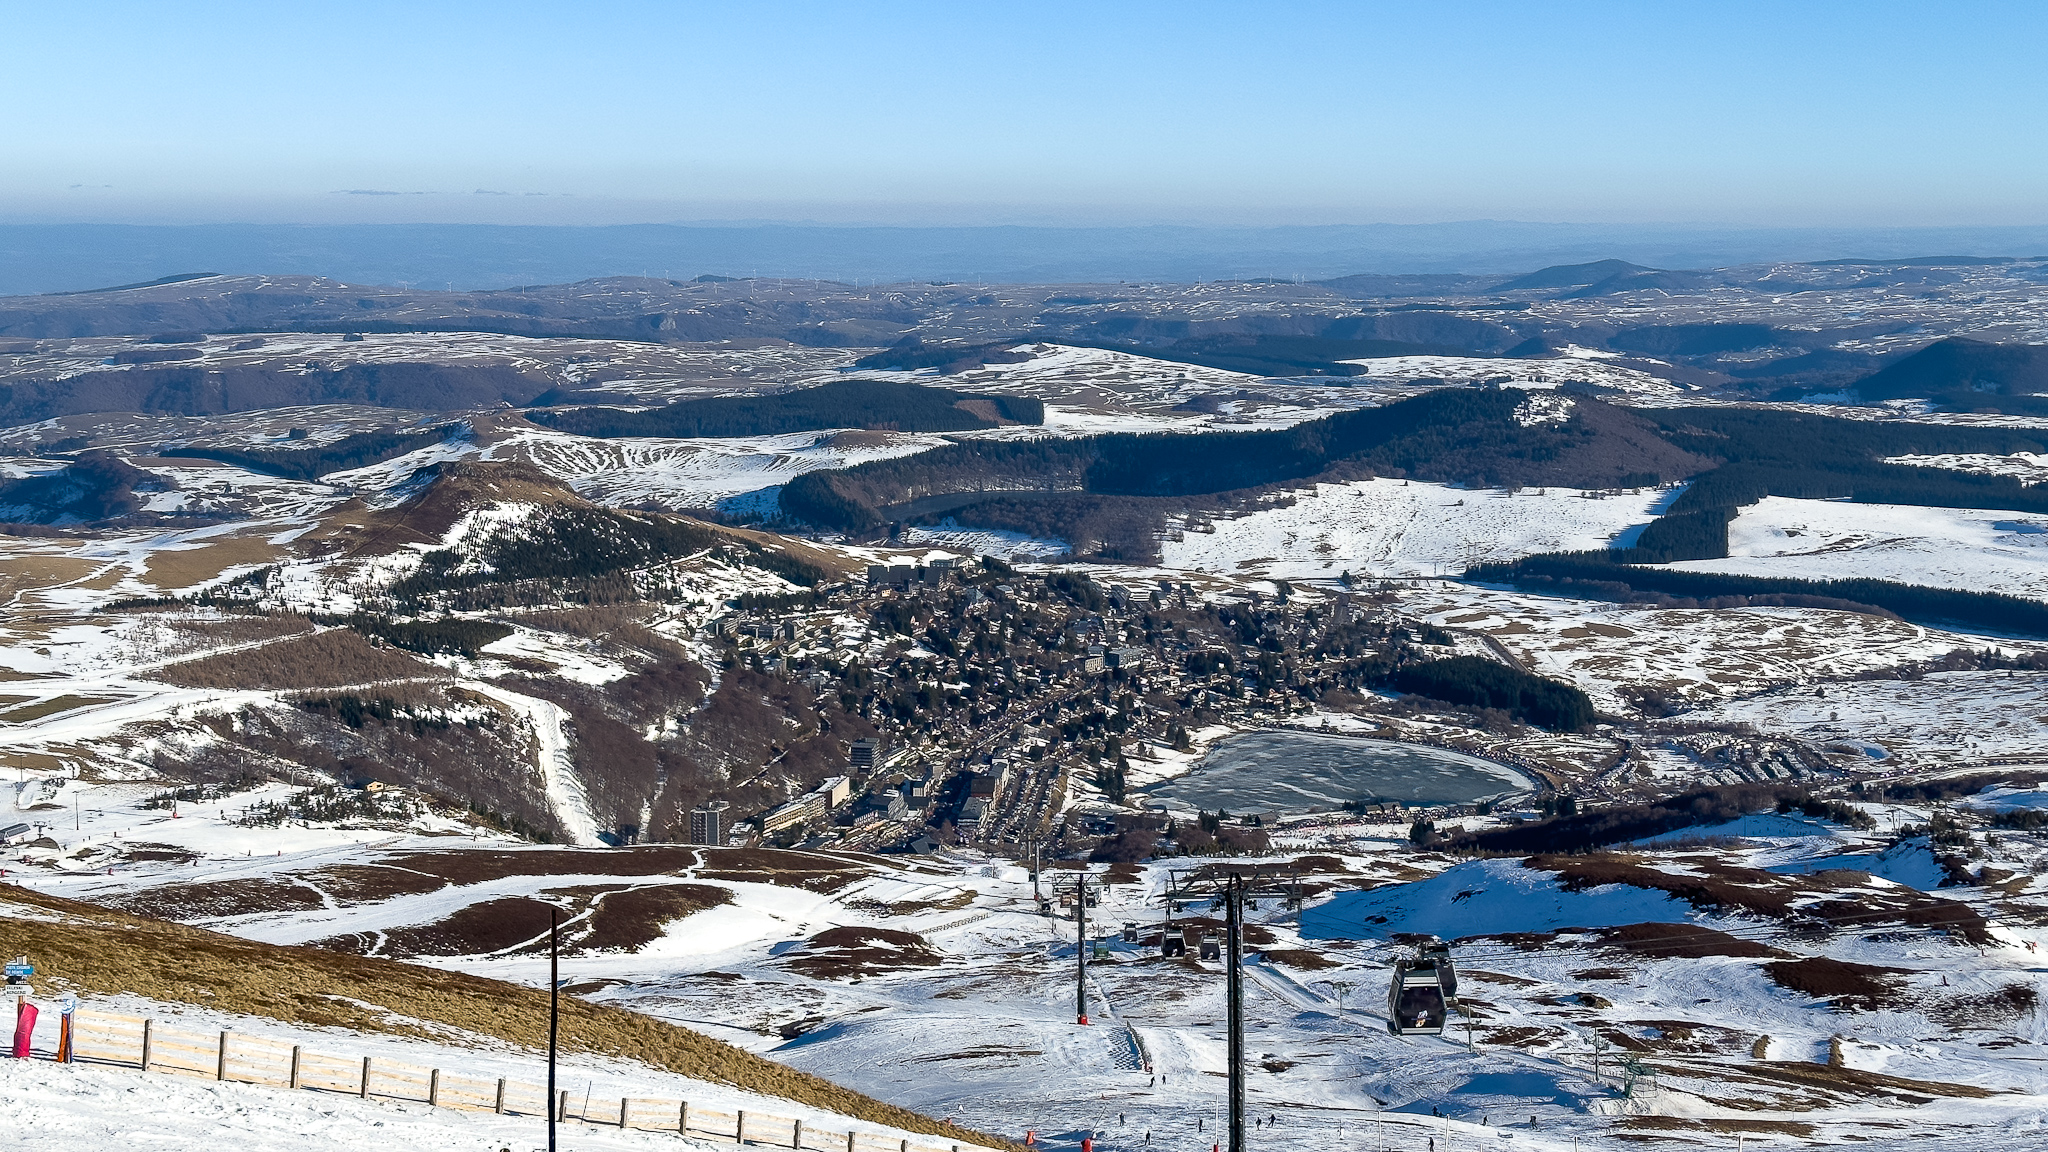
1402,528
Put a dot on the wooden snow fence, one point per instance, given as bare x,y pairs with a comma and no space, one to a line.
109,1038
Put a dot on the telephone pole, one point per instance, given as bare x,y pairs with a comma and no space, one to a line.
1233,958
554,1012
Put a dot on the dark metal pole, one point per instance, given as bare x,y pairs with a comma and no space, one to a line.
1234,957
1081,950
554,1012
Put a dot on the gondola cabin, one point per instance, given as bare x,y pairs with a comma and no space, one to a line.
1416,1005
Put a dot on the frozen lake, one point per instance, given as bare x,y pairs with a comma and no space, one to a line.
1285,771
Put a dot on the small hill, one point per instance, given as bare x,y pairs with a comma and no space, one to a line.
1463,435
1572,275
449,490
1639,281
201,391
1960,365
95,487
1697,339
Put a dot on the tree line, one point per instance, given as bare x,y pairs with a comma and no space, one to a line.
879,404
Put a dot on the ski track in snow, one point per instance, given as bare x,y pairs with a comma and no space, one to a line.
564,788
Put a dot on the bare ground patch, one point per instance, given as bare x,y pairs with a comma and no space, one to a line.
629,920
1682,940
330,659
1305,959
486,926
838,953
183,567
211,898
1844,984
52,706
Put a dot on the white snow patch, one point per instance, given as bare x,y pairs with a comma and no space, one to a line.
1967,548
1386,527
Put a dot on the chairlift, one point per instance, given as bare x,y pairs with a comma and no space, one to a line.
1416,1000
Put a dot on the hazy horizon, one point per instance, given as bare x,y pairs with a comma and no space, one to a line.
76,257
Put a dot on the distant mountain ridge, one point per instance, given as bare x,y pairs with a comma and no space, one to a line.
70,257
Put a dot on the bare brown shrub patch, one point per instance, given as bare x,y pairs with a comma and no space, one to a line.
1844,984
486,926
1682,940
1302,958
630,920
838,953
333,658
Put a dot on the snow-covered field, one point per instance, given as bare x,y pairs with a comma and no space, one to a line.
46,1105
1978,550
984,542
1945,719
1690,654
1577,366
697,473
2028,467
1095,390
1400,528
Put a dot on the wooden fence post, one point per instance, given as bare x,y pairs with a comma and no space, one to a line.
797,1140
562,1106
220,1069
364,1090
295,1066
433,1088
623,1102
849,1142
683,1119
739,1129
147,1027
499,1107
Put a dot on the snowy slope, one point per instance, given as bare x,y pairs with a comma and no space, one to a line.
1973,549
1388,527
1692,654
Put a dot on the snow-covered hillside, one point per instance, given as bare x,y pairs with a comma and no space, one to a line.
1977,550
1576,366
1386,527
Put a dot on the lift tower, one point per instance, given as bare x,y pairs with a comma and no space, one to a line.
1083,883
1234,890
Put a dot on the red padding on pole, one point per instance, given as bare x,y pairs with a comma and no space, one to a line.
24,1029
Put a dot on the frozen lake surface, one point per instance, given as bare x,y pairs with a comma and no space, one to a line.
1283,771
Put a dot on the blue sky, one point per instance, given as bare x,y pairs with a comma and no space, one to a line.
964,113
